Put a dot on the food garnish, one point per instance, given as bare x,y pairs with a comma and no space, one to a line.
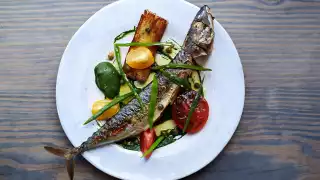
147,44
124,34
182,82
153,101
124,77
180,66
192,108
147,153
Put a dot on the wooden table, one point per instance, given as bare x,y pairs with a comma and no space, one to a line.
278,41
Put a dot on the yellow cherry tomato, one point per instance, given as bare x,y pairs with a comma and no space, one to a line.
108,113
140,58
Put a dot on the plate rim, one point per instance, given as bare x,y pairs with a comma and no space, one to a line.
106,170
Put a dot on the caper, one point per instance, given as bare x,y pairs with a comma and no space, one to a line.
197,85
160,107
148,30
169,49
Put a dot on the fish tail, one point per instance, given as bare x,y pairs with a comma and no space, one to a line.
67,154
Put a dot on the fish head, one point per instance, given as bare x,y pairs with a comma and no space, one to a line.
200,38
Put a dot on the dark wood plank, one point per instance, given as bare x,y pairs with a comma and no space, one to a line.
279,44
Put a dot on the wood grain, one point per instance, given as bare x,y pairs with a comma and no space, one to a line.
278,41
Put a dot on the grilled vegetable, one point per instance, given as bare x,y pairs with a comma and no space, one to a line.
165,126
142,85
171,51
190,111
194,80
150,29
162,59
165,56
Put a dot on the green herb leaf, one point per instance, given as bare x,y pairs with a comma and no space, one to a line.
182,82
123,34
192,108
144,44
108,106
153,146
118,59
181,66
153,100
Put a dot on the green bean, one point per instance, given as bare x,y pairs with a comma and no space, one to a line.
108,106
118,59
182,82
153,146
153,100
181,66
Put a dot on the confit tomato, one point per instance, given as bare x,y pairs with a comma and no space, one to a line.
140,58
181,108
147,138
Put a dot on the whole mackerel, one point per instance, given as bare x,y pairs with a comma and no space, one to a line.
132,119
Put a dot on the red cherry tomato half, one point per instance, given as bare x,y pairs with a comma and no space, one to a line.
181,108
147,138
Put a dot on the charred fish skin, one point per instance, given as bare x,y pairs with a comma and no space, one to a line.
132,119
200,38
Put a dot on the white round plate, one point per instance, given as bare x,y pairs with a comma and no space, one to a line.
76,91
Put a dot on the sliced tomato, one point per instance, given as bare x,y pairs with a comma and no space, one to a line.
181,108
147,138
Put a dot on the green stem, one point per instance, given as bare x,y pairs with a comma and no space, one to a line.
181,66
118,59
108,106
192,108
165,55
123,34
153,100
153,146
144,44
182,82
